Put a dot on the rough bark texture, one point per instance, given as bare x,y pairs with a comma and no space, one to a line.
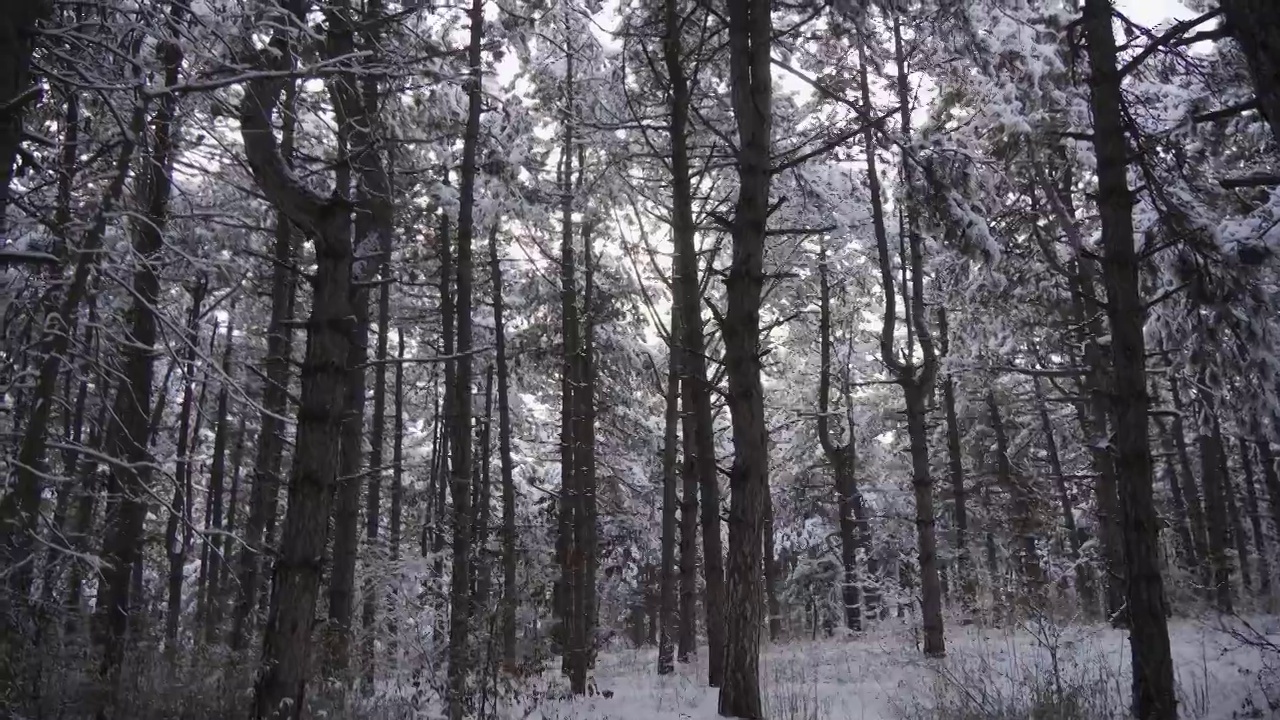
1187,478
460,609
840,457
964,573
751,89
1255,517
280,691
175,544
698,427
670,499
1239,538
1153,688
1216,512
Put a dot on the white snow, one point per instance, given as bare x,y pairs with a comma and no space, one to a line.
882,675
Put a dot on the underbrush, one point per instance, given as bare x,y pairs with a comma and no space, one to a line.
1042,671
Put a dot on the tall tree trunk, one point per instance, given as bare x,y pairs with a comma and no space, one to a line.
397,489
510,598
129,493
217,484
280,691
964,572
346,509
1215,504
1267,459
840,458
460,609
19,507
175,545
1185,548
1238,536
482,576
1084,584
698,426
585,530
687,633
270,444
773,606
751,90
1187,478
373,499
1255,517
1153,689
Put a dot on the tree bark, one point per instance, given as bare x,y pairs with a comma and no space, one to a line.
751,90
670,479
217,485
698,425
270,444
1153,688
1255,518
841,458
1238,536
964,572
460,604
175,543
129,487
280,691
510,598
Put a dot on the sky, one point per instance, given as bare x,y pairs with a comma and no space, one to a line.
1151,12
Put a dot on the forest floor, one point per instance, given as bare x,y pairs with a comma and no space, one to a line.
1224,671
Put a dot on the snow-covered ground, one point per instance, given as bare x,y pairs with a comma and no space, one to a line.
987,674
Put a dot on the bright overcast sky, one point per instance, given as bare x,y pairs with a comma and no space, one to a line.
1151,12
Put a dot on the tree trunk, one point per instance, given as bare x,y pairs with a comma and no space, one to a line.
586,539
217,484
460,610
751,89
686,637
1021,513
841,458
1215,504
510,598
397,490
19,507
1187,476
280,691
771,574
1186,548
964,573
129,494
1255,518
270,445
1153,688
175,545
1238,536
1084,584
670,478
